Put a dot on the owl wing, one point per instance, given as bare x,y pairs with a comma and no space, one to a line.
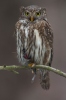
46,35
49,37
21,31
44,40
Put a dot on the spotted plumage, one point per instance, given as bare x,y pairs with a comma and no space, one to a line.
34,38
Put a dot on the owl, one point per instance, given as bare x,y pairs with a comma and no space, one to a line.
34,39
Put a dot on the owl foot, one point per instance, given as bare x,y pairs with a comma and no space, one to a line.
31,65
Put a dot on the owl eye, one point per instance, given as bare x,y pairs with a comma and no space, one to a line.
38,13
26,13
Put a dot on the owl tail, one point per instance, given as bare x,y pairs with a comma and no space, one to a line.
44,79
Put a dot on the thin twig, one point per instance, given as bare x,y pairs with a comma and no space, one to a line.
14,67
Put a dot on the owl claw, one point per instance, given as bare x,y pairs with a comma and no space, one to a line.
31,65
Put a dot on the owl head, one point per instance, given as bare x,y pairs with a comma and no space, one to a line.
33,13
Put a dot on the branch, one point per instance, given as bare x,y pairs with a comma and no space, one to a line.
14,67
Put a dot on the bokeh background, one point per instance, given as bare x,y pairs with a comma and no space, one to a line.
19,87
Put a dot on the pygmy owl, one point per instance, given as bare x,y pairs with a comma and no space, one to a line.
34,38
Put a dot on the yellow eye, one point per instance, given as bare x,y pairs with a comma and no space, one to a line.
26,13
38,13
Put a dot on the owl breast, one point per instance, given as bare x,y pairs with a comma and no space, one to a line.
31,43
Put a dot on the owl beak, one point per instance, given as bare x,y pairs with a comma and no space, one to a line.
31,18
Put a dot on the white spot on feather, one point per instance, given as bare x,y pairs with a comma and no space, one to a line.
23,21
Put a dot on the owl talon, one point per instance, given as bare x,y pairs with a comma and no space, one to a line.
31,65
